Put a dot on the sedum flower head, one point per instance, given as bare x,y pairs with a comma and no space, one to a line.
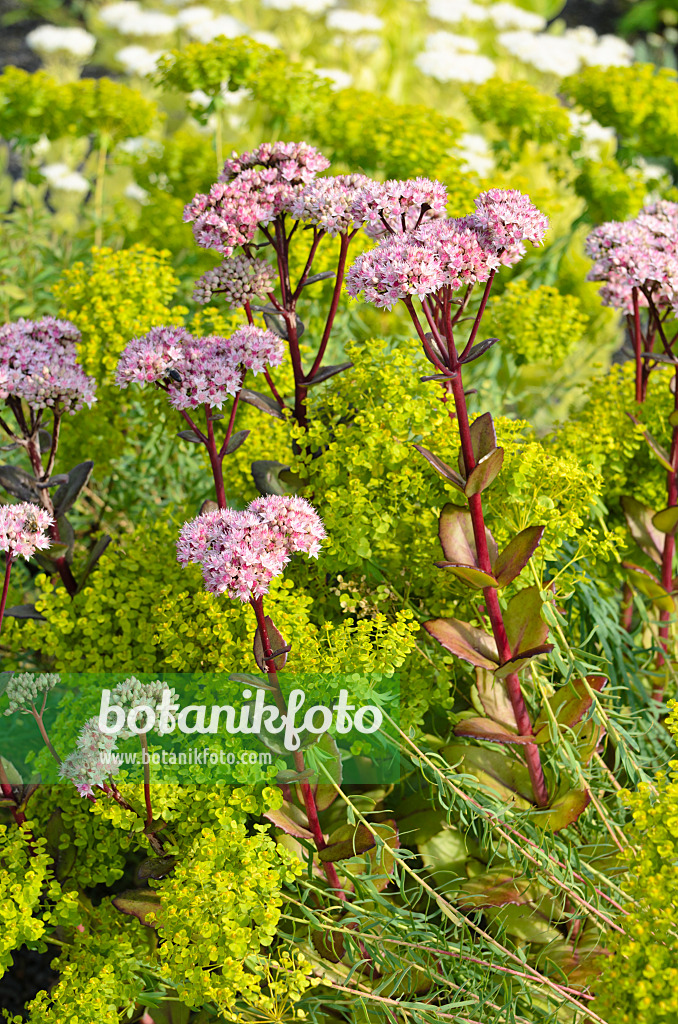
330,202
239,279
395,207
93,761
25,689
132,693
241,552
38,363
509,218
397,268
197,371
22,529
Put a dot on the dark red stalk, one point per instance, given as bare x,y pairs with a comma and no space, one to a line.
638,347
215,461
5,588
231,422
669,549
62,566
334,305
479,315
306,790
147,779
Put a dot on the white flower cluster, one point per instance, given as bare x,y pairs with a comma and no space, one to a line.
25,689
138,60
132,693
61,177
91,763
449,57
344,20
310,6
129,18
48,39
203,25
340,79
568,53
474,150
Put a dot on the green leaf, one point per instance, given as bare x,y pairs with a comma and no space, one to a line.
235,441
563,811
63,854
441,467
486,729
325,793
13,776
499,770
330,945
247,679
666,521
292,820
445,856
455,530
518,662
485,472
497,887
466,642
155,867
640,520
140,903
569,703
266,476
483,441
525,628
517,554
469,574
650,586
493,699
347,841
277,642
659,453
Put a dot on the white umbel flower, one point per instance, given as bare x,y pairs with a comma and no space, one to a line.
48,39
353,21
138,60
61,177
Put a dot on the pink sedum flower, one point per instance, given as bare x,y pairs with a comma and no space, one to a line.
509,217
397,268
295,162
395,207
330,202
148,359
256,348
241,552
22,529
38,364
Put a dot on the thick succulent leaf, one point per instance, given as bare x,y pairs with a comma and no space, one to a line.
325,372
380,856
455,530
494,700
67,494
190,435
479,349
140,903
486,729
528,922
570,703
563,811
650,587
466,642
497,887
235,441
95,554
264,403
518,662
525,627
469,574
291,820
12,773
25,611
501,772
275,321
247,679
330,945
20,484
347,841
445,855
277,642
640,522
266,476
485,472
63,855
441,467
483,441
171,1011
666,521
517,554
155,867
325,793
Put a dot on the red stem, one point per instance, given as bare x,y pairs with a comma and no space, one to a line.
479,315
637,345
231,422
5,588
215,461
668,551
307,791
62,566
336,294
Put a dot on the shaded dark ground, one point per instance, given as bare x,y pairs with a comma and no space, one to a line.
29,974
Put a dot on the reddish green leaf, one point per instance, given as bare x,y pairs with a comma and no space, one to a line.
486,729
497,887
650,586
485,472
500,771
563,811
666,521
347,841
277,643
525,628
329,944
483,441
291,820
380,855
457,539
641,525
568,704
325,793
139,903
494,700
517,554
518,662
467,642
469,574
441,467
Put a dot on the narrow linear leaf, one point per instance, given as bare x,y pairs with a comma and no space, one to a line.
469,574
486,729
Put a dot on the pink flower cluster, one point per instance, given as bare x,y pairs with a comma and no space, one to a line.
239,279
638,253
241,552
252,190
446,252
395,207
197,371
22,529
330,202
38,364
93,761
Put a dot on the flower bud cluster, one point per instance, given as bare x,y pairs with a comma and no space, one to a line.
239,279
132,693
91,763
25,689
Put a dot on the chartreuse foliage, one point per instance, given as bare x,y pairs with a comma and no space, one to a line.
521,114
639,979
536,324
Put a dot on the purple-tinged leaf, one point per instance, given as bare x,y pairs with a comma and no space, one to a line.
486,729
455,530
140,903
659,453
277,643
155,867
517,554
485,472
666,521
346,842
235,441
563,811
650,587
25,611
441,467
494,700
483,441
94,556
568,705
518,662
324,276
503,773
525,627
497,887
266,475
292,820
479,349
466,642
190,435
330,945
469,574
67,494
644,532
20,484
263,403
325,372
